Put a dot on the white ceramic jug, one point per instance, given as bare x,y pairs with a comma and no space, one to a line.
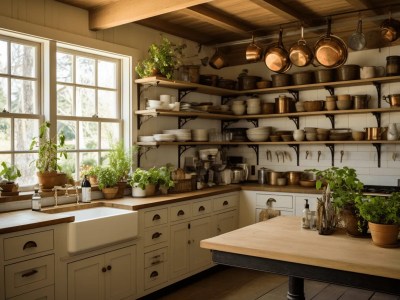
393,133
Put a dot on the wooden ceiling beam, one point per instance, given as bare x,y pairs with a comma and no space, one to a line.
126,11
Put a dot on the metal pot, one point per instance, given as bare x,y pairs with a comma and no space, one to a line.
390,29
330,50
277,58
293,177
217,61
284,105
253,52
262,175
375,133
273,177
300,54
245,168
361,101
393,100
237,175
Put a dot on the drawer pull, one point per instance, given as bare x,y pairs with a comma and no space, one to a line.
156,217
225,203
103,269
109,267
156,235
153,274
202,208
30,244
30,273
180,213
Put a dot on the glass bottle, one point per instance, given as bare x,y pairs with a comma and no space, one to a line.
86,190
36,201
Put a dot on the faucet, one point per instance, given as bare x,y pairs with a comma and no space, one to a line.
55,189
66,188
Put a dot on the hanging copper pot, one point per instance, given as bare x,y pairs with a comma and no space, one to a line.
217,61
390,29
277,58
253,52
300,54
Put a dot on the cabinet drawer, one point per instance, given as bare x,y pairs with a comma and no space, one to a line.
29,275
155,236
225,202
154,276
282,201
28,244
46,293
181,212
201,208
155,217
155,257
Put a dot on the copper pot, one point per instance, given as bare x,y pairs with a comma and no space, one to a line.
293,177
375,133
393,100
217,61
300,54
277,58
253,52
284,105
390,29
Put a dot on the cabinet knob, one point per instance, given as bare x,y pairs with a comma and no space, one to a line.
189,242
153,274
29,244
225,203
109,267
156,235
202,208
180,213
156,217
103,269
30,273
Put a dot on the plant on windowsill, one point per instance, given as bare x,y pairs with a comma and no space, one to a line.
107,179
50,151
10,174
91,173
383,216
346,188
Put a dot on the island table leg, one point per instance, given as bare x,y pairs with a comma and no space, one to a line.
296,288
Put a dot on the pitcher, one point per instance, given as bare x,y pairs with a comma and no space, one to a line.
393,133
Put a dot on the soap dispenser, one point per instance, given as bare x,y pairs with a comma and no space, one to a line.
305,220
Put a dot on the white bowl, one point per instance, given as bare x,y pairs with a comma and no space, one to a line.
146,138
154,103
257,137
164,137
238,109
263,129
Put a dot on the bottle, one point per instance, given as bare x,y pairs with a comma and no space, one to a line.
86,190
305,220
36,201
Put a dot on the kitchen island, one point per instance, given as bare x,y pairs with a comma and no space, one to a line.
281,246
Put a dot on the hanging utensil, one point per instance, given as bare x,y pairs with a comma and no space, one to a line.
390,29
341,156
253,52
357,39
277,58
217,61
300,54
319,155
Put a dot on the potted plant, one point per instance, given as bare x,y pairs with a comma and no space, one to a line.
91,173
383,216
346,188
165,181
162,58
10,174
50,151
107,179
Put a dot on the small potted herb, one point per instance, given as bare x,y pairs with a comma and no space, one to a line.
10,173
107,179
164,179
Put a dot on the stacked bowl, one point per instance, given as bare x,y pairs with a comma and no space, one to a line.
238,107
258,134
181,135
253,106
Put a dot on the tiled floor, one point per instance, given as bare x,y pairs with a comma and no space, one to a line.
225,283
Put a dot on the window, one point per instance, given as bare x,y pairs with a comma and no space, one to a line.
20,87
88,106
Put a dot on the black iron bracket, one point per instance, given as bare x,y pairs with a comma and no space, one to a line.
332,119
378,148
295,121
226,99
332,148
226,123
140,152
330,89
295,94
183,92
143,119
378,91
377,115
256,150
145,87
253,121
182,149
296,148
183,120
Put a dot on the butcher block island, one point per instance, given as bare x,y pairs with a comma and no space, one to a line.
281,246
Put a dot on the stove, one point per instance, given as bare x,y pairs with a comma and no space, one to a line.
380,189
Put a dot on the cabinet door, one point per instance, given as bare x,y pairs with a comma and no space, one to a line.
179,249
86,279
226,221
120,276
199,229
247,207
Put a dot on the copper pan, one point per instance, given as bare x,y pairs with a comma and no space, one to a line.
277,58
300,54
253,52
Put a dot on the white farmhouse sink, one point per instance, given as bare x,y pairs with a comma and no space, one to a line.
96,227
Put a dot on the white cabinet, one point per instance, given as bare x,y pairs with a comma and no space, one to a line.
226,222
107,276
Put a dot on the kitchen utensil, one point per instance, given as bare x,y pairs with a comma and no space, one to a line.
217,61
263,84
319,155
371,72
298,135
300,54
304,77
307,154
273,176
247,82
361,101
237,175
330,50
324,75
341,156
393,100
358,135
262,176
375,133
284,104
293,177
390,29
307,183
276,57
348,72
245,168
357,39
315,105
281,181
281,80
269,155
226,176
393,65
253,52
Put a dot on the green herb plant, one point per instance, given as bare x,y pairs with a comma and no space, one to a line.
120,160
140,178
106,177
379,209
10,173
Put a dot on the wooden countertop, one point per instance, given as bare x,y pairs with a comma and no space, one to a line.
283,239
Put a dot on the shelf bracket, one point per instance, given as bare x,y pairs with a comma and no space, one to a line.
226,123
296,148
378,148
330,89
143,119
332,119
378,91
295,121
332,148
183,120
295,94
226,99
256,150
183,92
181,150
145,87
253,121
377,115
142,150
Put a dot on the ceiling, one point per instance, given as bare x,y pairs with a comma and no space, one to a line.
230,24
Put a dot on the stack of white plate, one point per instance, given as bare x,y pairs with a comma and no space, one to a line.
200,135
258,134
253,106
146,138
164,137
181,135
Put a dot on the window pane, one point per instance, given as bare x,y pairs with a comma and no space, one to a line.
4,94
106,74
85,102
64,67
104,158
24,131
23,60
65,100
3,57
5,134
109,133
69,130
68,165
85,70
87,159
25,163
107,104
23,96
88,135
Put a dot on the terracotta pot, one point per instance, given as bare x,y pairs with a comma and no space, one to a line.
93,180
384,235
110,193
48,180
9,187
351,223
